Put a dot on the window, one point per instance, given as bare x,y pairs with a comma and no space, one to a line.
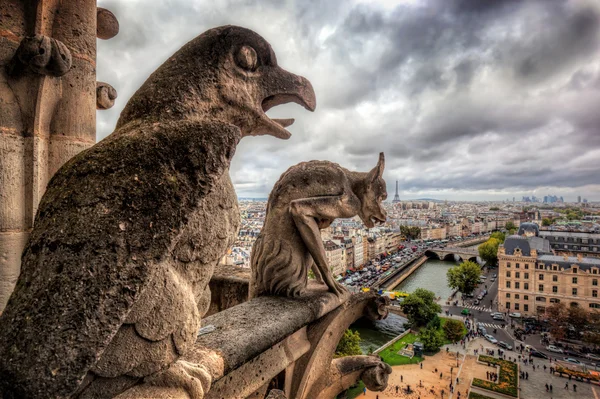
541,277
595,293
595,281
508,273
541,288
508,284
507,264
517,265
517,275
526,297
555,278
508,294
526,308
525,286
526,276
574,291
526,265
554,300
554,289
517,296
507,305
595,305
540,299
517,285
594,271
516,306
574,280
574,270
555,268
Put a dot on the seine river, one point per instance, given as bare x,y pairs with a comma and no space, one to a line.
431,276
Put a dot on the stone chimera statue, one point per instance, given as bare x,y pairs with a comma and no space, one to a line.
115,275
309,197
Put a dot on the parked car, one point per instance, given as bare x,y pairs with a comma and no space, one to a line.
516,315
554,349
465,312
535,353
498,317
496,314
491,339
494,275
571,360
480,297
476,302
591,356
504,345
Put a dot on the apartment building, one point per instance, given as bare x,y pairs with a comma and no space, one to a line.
531,277
333,254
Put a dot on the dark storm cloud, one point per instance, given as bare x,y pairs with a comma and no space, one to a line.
465,96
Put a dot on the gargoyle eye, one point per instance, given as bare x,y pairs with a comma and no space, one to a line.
246,58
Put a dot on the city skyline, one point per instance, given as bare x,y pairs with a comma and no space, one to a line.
466,104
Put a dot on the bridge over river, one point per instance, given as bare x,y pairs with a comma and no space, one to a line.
450,253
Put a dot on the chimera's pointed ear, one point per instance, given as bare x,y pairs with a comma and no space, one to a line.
377,171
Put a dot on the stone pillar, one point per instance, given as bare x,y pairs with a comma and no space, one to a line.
47,107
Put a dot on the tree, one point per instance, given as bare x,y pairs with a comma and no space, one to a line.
453,330
464,277
420,307
510,226
410,232
546,222
349,344
578,318
489,251
498,235
557,318
494,208
431,339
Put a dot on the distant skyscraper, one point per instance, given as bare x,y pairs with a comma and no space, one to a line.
578,198
397,196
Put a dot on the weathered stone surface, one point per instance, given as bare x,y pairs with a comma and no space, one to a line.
115,275
108,25
42,54
36,135
105,95
276,394
228,288
306,198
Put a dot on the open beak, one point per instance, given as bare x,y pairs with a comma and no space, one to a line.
282,87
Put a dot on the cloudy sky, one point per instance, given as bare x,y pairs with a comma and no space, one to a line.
469,99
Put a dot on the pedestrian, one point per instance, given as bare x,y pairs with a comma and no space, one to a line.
547,387
401,378
421,366
526,375
457,381
544,367
376,396
574,388
440,376
396,388
567,386
550,388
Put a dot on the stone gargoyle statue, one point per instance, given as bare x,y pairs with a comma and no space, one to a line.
115,275
308,197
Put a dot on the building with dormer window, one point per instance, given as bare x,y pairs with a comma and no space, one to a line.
531,276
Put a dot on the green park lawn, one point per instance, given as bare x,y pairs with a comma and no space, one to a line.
390,354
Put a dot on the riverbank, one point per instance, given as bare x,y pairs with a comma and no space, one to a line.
404,274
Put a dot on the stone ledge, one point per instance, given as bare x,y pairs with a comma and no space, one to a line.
248,329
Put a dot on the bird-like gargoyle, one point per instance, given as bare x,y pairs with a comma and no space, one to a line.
308,197
115,275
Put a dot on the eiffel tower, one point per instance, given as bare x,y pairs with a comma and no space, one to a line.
396,197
